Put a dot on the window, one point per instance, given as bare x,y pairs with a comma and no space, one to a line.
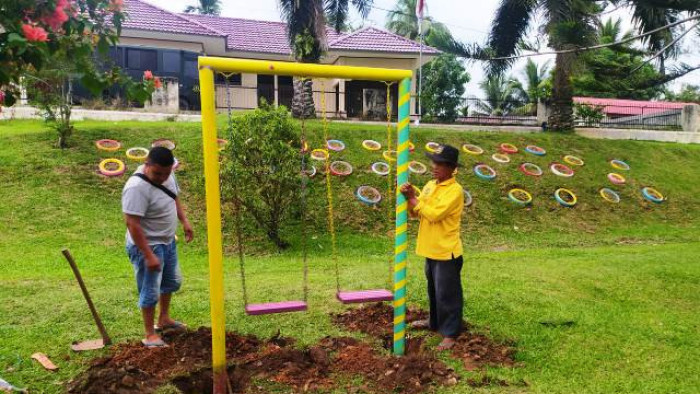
141,59
233,80
171,62
191,69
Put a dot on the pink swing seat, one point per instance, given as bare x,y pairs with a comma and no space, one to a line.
275,307
362,296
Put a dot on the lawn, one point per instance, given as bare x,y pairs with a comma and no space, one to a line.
626,275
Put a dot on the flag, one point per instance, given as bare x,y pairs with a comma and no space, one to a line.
420,10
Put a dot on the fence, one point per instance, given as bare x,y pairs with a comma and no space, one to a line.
648,116
477,111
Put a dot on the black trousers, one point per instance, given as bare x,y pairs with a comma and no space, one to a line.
446,296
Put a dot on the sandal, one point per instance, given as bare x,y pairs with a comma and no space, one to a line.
421,324
446,344
154,344
176,325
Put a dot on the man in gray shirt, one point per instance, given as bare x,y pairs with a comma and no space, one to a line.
152,209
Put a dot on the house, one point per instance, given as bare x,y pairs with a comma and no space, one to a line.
168,44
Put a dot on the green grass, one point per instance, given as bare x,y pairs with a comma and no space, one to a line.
627,275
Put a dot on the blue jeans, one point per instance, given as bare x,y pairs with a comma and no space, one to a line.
151,284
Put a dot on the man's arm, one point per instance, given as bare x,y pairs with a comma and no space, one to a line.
133,224
189,233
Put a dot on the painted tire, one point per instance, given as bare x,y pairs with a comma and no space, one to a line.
411,147
341,168
222,143
565,197
485,172
433,147
417,167
468,201
574,160
164,142
108,145
389,155
616,178
310,172
609,195
531,169
368,195
371,145
381,168
535,150
335,145
508,148
472,149
500,158
653,195
137,153
520,196
559,169
119,170
319,154
619,165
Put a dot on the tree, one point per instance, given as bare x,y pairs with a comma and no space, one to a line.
262,162
615,72
444,80
501,96
34,34
306,30
205,7
402,20
687,94
536,86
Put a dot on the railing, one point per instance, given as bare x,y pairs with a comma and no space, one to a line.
650,116
495,113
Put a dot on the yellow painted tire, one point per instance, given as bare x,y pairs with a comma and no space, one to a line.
616,178
565,197
574,160
121,168
500,158
609,195
137,153
472,149
108,145
389,155
371,145
433,147
520,196
319,154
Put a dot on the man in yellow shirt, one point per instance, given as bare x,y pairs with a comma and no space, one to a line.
439,209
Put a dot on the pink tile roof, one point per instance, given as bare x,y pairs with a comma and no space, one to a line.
630,107
260,36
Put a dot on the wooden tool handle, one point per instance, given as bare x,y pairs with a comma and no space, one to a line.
105,337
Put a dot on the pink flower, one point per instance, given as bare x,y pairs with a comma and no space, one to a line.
147,75
56,20
157,83
2,97
116,5
35,33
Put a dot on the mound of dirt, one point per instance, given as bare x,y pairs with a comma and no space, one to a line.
474,349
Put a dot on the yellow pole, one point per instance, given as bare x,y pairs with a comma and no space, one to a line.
213,199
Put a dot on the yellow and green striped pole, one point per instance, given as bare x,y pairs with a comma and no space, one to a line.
401,253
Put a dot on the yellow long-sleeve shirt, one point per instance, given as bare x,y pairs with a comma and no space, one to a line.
439,209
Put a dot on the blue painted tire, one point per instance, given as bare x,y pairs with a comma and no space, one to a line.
487,177
365,200
653,195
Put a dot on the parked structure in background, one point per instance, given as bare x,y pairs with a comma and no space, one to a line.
168,44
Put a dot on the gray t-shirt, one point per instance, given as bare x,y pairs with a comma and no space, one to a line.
157,210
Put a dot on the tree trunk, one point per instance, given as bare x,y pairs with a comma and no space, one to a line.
303,100
562,116
274,236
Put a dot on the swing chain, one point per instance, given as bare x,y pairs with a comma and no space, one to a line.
390,176
303,208
236,197
329,188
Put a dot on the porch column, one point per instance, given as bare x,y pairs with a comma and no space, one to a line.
277,92
341,99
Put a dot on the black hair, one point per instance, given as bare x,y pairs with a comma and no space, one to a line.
161,156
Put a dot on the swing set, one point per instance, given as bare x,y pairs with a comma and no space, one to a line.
208,66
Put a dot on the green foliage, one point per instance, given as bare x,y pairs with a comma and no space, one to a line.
589,114
444,79
49,91
261,170
402,20
205,7
501,96
687,94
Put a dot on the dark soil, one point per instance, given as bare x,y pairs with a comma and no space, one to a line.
475,350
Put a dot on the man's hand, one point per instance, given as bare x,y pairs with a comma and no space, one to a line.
408,191
152,262
189,233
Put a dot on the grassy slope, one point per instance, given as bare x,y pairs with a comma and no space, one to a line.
627,274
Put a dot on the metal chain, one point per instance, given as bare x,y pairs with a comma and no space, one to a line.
236,199
303,209
329,189
390,177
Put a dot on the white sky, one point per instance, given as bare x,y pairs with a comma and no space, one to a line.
468,20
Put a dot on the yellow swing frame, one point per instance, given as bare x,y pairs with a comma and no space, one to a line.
207,67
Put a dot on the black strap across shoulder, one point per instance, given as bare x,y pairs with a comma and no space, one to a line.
157,186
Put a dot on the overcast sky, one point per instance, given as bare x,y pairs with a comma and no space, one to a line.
468,20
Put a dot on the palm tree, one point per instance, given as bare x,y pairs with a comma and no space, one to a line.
501,96
306,30
568,24
533,89
205,7
402,20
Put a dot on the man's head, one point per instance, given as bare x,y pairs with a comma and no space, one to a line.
444,162
159,164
